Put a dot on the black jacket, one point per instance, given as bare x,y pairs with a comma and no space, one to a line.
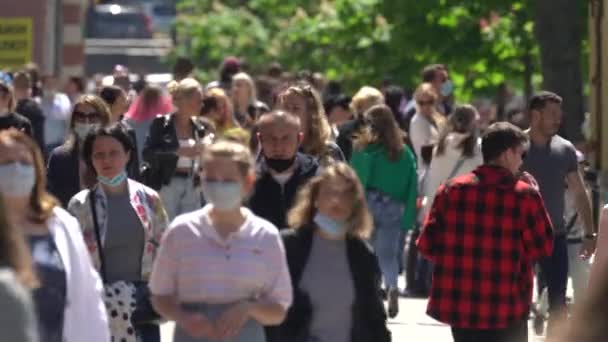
63,173
369,317
17,121
160,148
32,111
272,201
133,165
345,136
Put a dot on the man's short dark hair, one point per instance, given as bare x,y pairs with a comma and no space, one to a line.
539,100
182,68
78,82
116,131
500,137
430,71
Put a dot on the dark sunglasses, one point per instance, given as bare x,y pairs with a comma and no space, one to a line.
425,103
82,115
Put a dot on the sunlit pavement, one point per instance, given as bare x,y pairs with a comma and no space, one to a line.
412,324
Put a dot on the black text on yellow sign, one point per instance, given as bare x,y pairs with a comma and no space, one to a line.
16,39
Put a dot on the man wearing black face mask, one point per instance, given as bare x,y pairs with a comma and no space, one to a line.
281,169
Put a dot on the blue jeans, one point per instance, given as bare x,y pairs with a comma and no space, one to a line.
387,214
180,196
554,274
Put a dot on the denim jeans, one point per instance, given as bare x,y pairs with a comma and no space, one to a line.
387,214
180,196
554,274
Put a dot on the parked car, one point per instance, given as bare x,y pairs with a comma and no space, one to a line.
116,21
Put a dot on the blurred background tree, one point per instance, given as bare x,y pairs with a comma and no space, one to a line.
485,43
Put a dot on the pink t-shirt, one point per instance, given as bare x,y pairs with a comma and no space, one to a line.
195,264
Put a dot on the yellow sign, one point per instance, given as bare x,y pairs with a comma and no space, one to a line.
16,40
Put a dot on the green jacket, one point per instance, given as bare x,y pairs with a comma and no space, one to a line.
396,179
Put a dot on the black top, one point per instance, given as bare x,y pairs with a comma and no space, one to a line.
133,165
271,200
18,121
345,136
50,297
369,317
32,111
63,173
159,153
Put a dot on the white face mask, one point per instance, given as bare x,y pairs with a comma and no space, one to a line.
17,179
82,129
223,195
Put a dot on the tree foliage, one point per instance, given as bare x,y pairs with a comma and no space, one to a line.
484,42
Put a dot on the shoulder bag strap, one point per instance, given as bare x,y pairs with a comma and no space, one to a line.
571,222
97,234
457,167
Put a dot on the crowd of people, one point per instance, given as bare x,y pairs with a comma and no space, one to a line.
278,208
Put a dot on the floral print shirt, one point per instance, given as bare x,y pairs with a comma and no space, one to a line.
146,203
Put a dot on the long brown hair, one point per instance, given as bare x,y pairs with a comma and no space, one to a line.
14,252
319,131
360,222
41,202
462,120
381,128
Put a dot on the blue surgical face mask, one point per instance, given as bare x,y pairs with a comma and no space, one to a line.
82,129
114,181
446,88
223,195
17,179
329,226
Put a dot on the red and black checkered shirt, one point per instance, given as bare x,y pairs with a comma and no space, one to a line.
483,234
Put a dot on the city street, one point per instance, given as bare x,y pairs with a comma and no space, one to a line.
412,324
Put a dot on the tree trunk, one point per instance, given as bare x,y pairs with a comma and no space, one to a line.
558,29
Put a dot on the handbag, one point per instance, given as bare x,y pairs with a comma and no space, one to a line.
128,303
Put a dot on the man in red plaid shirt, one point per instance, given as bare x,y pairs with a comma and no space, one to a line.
483,234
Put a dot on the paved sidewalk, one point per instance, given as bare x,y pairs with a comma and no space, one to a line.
412,324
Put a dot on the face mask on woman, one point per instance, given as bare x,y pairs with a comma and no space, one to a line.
329,226
223,195
82,129
17,179
114,181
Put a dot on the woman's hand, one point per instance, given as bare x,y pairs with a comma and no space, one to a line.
232,320
197,325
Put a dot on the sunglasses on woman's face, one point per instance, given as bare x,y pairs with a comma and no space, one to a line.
82,116
425,103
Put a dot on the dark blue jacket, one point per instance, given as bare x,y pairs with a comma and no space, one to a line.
272,201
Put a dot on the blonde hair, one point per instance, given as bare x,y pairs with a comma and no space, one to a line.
318,134
364,99
427,89
183,88
360,223
237,152
253,94
227,120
